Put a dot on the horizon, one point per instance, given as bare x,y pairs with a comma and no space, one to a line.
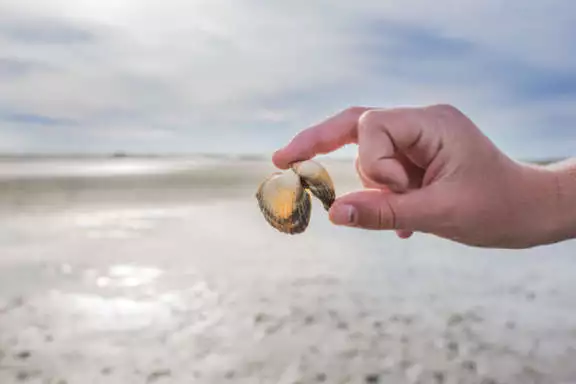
239,156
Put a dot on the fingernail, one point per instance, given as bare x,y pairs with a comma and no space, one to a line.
344,215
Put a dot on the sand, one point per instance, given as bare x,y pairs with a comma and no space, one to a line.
173,276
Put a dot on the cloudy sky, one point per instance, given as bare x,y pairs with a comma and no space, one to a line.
246,75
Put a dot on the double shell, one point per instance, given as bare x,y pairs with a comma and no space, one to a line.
285,197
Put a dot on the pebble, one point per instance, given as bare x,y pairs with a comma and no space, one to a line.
152,377
260,317
22,376
439,377
455,319
23,355
106,371
372,378
469,365
342,325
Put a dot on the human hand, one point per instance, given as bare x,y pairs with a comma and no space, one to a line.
432,170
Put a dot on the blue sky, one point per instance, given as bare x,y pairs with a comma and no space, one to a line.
245,76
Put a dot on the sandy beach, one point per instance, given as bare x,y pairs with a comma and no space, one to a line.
123,271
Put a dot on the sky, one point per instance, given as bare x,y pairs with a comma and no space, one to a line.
244,76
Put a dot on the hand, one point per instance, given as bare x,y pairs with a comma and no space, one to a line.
432,170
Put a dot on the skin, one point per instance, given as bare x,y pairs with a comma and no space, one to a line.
432,170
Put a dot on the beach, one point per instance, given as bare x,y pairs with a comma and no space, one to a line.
163,270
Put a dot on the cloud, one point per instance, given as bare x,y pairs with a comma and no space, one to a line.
245,76
34,119
42,32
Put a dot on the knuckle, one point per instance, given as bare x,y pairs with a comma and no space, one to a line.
445,110
383,119
369,119
386,216
442,107
355,110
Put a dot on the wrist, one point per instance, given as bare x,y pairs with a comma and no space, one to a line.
552,213
565,177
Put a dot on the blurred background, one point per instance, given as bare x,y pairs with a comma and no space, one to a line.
133,136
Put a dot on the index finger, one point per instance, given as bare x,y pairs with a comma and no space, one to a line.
326,137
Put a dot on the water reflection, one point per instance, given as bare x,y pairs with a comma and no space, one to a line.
128,276
121,313
93,167
97,310
121,223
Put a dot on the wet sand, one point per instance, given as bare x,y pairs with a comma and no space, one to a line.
173,276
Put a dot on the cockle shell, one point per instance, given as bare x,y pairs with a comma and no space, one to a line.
315,178
284,197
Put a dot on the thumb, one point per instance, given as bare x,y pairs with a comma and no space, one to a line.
375,209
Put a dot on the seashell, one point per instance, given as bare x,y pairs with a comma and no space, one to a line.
284,202
316,179
284,197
